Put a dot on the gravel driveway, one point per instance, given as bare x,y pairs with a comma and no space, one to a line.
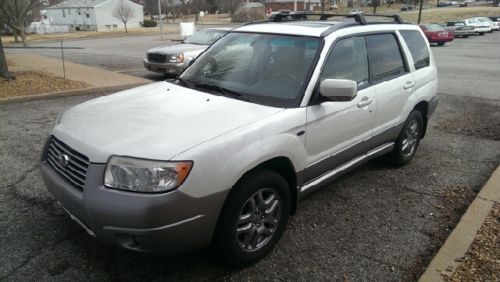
376,223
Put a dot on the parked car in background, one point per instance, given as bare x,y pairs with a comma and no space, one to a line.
173,59
444,3
459,28
493,24
464,4
356,11
495,18
437,34
479,27
406,8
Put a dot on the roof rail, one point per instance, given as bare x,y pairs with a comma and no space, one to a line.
297,16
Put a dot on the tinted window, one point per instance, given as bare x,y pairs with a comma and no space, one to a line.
418,48
348,60
385,57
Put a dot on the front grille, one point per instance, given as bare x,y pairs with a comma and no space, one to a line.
157,58
75,171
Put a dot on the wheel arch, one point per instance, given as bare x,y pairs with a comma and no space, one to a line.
423,107
284,167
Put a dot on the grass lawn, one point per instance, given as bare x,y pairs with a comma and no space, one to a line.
449,14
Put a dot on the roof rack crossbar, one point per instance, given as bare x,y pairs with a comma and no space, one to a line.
359,18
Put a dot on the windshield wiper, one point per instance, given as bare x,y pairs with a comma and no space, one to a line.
186,82
221,90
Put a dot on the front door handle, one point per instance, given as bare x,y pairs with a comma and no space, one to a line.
365,102
409,84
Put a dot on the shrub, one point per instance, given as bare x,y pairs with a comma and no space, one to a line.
149,23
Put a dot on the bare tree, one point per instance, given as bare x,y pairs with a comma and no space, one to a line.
17,15
4,69
323,4
124,12
375,4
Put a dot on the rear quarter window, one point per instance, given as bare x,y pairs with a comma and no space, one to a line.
418,48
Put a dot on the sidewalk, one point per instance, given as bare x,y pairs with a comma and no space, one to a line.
94,77
94,80
454,249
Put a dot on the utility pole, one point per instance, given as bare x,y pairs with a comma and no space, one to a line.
161,20
420,11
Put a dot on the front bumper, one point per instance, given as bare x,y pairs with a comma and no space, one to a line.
166,68
165,223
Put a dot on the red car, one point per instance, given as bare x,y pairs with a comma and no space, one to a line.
436,34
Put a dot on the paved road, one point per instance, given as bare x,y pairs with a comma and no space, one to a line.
121,54
376,223
467,66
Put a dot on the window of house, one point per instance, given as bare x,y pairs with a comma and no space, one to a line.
88,15
385,56
418,48
348,60
115,26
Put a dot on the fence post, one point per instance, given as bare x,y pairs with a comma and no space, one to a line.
62,56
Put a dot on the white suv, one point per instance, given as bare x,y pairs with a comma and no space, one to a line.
222,154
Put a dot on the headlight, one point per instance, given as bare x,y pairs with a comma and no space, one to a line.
179,58
147,176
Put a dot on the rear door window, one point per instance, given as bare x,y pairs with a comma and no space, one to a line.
418,48
384,54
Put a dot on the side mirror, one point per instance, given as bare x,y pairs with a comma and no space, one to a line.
338,89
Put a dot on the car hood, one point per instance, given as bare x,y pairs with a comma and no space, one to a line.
156,121
178,48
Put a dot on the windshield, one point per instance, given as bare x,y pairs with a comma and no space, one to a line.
267,69
205,37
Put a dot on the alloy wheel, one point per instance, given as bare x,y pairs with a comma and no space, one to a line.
258,220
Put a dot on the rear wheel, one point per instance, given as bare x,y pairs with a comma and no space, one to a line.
407,143
441,43
465,36
253,218
481,33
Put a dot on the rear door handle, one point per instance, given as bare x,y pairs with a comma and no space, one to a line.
409,84
365,102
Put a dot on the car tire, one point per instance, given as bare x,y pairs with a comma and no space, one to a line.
481,33
441,43
260,224
408,140
465,36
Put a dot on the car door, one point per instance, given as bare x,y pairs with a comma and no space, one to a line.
338,131
393,84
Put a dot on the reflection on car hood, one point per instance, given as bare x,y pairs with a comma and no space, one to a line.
156,121
178,48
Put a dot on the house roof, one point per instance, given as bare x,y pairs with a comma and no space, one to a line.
77,4
81,4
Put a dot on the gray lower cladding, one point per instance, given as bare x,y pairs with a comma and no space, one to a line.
432,106
166,223
347,159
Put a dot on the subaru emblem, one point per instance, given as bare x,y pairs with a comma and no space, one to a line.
63,160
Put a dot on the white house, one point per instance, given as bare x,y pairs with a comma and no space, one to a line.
92,14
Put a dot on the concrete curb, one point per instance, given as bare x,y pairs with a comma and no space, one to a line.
69,93
459,241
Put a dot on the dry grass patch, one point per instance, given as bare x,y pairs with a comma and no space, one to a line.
35,83
450,14
482,260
